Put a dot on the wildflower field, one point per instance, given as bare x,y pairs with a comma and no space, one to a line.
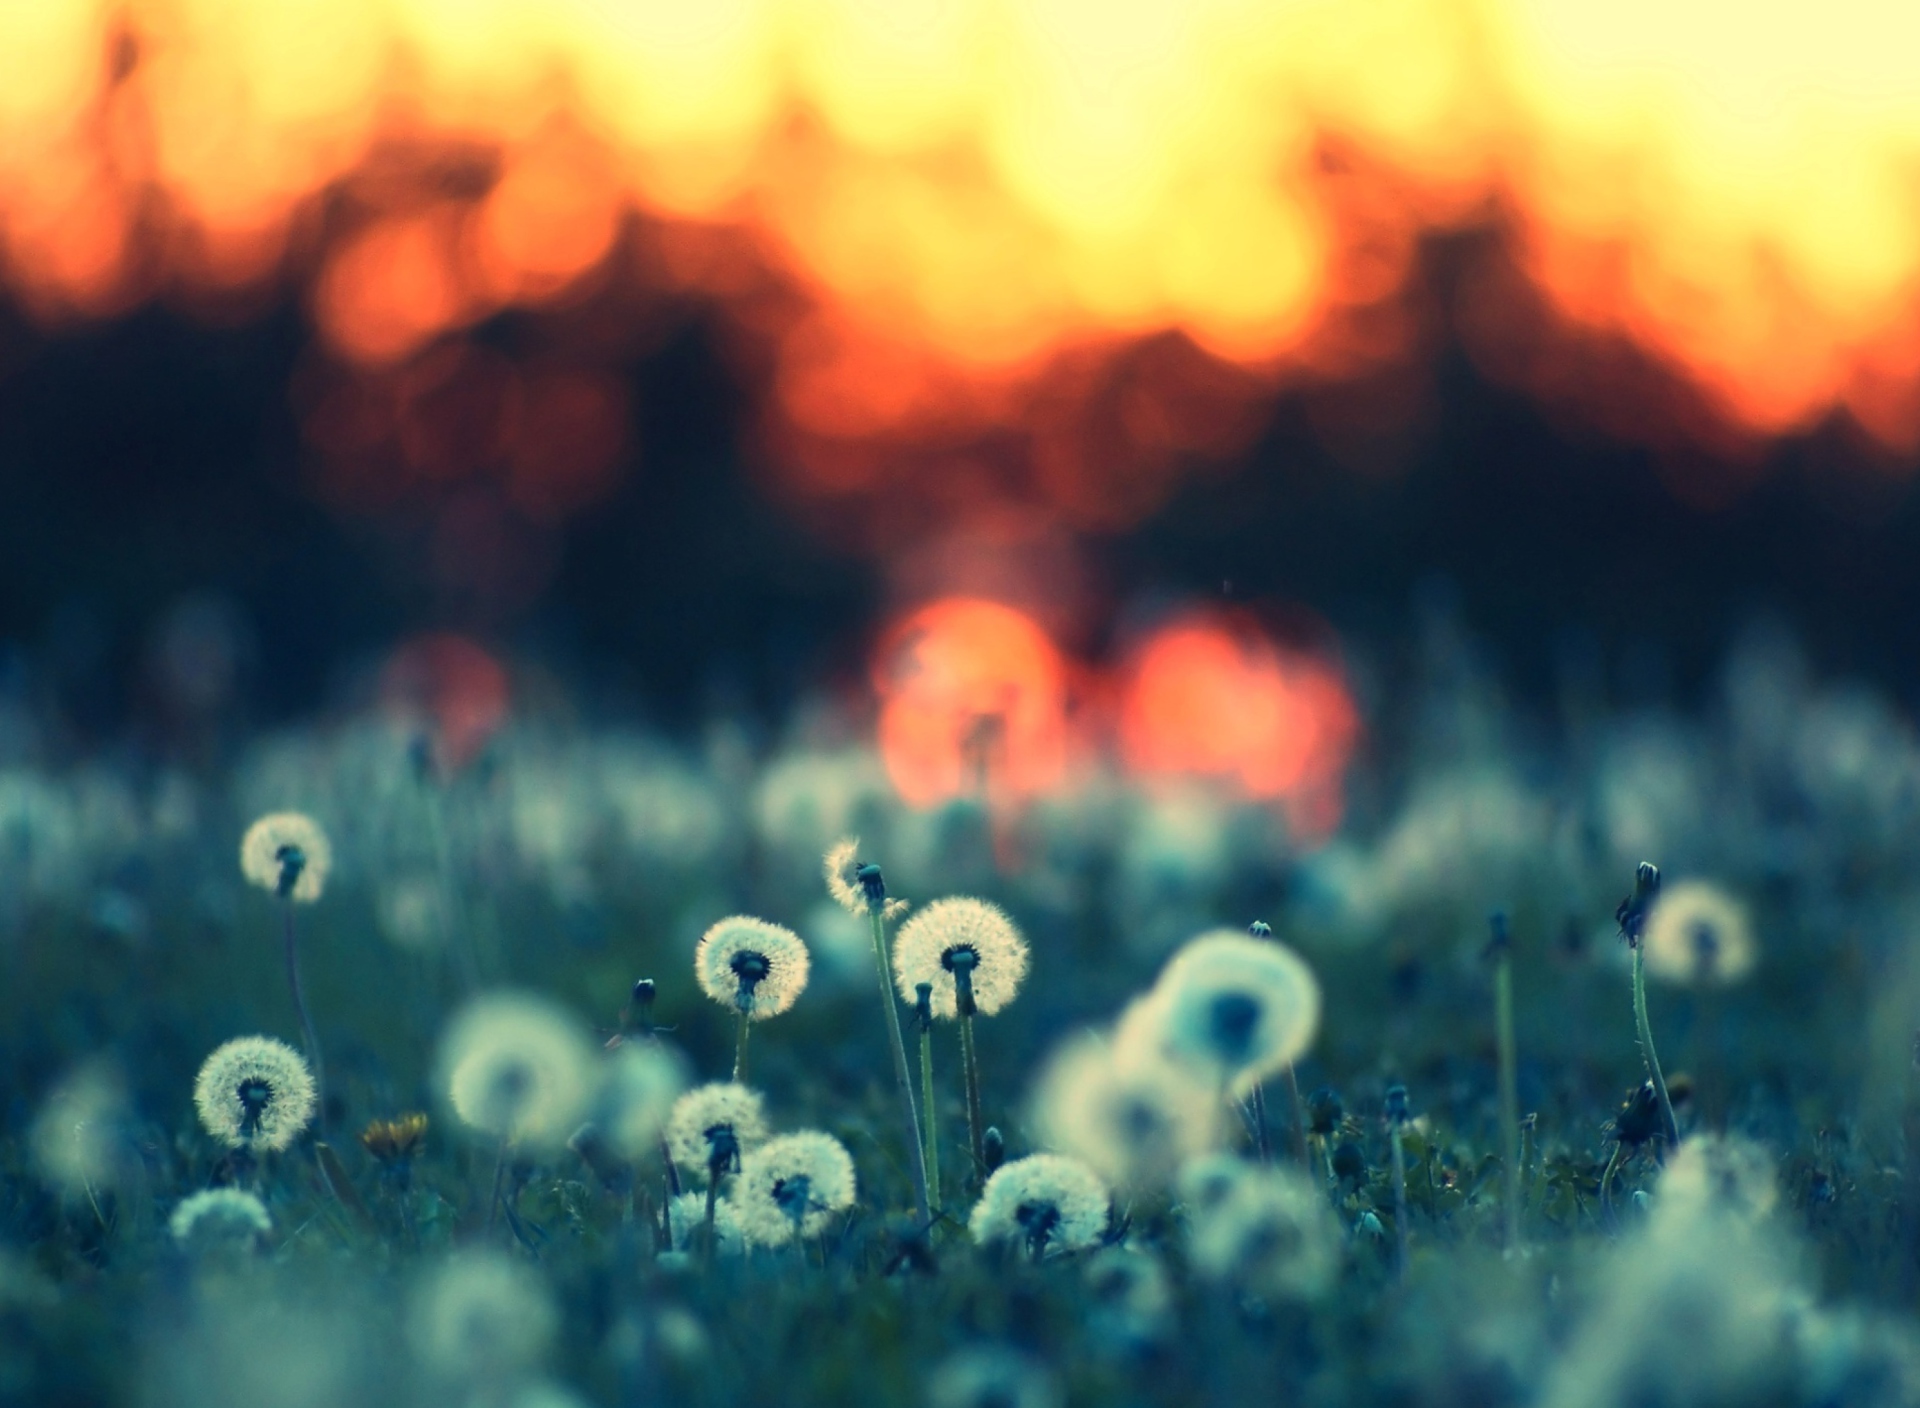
1573,1066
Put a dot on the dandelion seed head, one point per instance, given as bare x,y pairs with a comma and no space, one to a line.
1133,1121
793,1183
518,1067
1272,1233
750,965
1049,1202
687,1214
841,867
1698,934
480,1316
1132,1300
79,1136
219,1219
637,1090
1717,1174
708,1114
1208,1181
1235,1007
287,854
254,1092
990,1376
948,932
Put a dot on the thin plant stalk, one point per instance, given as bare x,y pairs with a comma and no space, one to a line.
1669,1126
499,1183
1606,1186
1509,1093
1258,1101
740,1046
902,1080
292,951
1299,1132
1399,1198
970,1057
923,1018
713,1201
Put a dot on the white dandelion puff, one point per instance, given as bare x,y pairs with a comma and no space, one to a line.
952,935
517,1066
1134,1122
687,1216
713,1123
482,1317
1236,1007
989,1376
287,854
1207,1182
749,965
1132,1300
254,1092
1698,934
841,866
637,1091
79,1137
1048,1202
791,1185
219,1219
1717,1174
1273,1232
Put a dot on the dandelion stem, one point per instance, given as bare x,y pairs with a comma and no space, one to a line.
1261,1145
976,1121
1399,1198
1299,1117
713,1201
499,1183
306,1022
930,1129
1669,1127
903,1080
1509,1094
740,1048
1606,1186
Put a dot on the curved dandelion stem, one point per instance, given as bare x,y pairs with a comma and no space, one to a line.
1606,1187
292,951
902,1079
1668,1126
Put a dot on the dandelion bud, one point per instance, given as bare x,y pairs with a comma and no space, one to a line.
1499,941
1632,913
1396,1105
1324,1111
395,1142
993,1147
1349,1165
1639,1119
643,995
923,1006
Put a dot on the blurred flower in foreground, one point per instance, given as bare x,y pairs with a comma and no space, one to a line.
1272,1231
481,1317
254,1093
1046,1202
79,1138
989,1376
948,934
287,854
637,1091
1717,1175
1134,1121
218,1220
1235,1007
1699,934
791,1185
517,1066
715,1123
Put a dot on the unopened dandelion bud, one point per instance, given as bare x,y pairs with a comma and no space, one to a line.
1396,1105
873,886
1324,1111
1632,913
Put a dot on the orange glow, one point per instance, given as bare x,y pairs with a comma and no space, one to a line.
453,684
973,703
1211,695
969,194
